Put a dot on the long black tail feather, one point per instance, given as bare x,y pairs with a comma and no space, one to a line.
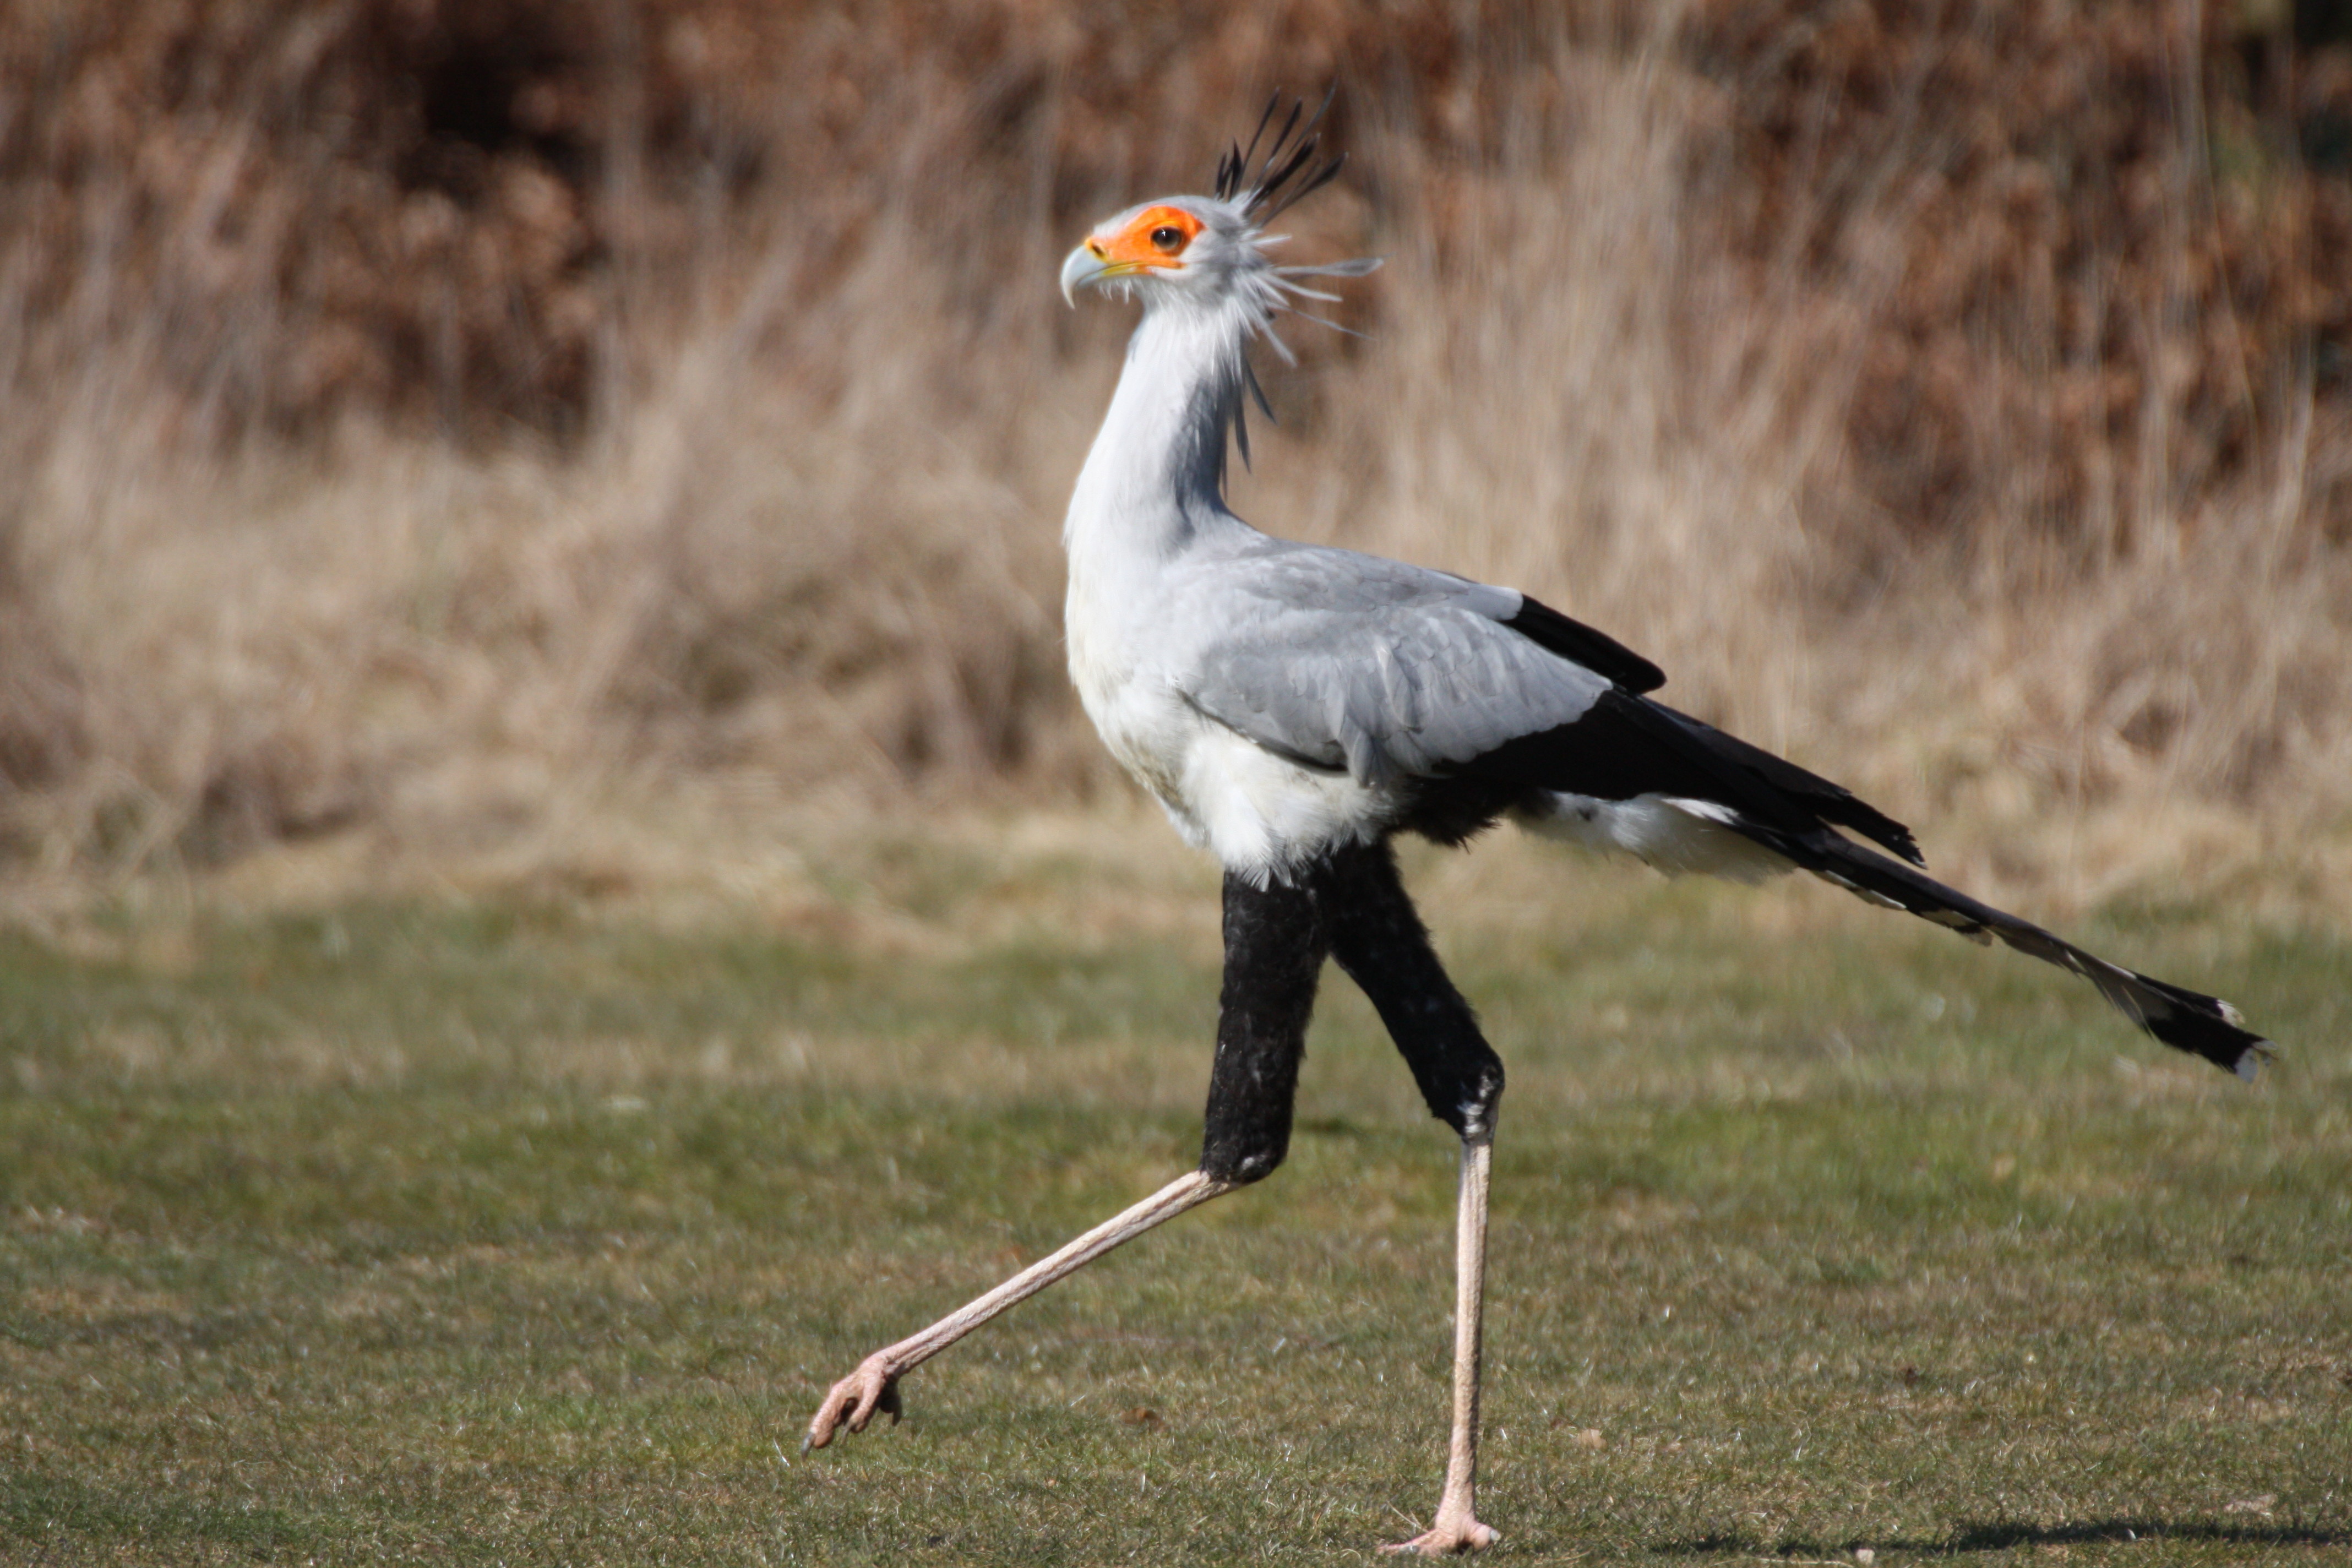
2184,1019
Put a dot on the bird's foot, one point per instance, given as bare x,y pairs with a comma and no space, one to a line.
854,1399
1454,1532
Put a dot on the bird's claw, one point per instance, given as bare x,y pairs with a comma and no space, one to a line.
854,1400
1448,1537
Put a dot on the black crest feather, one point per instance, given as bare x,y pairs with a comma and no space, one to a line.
1288,172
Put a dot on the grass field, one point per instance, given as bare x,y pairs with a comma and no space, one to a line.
529,1231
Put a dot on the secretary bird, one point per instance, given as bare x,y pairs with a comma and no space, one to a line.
1295,708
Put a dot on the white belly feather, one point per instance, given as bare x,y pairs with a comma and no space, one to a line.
1259,814
1675,836
1263,815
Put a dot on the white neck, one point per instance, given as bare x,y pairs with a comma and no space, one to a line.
1154,476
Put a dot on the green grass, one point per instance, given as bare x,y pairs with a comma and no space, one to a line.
515,1236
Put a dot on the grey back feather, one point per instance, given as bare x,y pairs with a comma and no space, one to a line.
1344,661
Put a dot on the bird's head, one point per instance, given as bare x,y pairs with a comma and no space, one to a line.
1177,245
1214,249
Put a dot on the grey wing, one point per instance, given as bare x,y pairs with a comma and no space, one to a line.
1345,661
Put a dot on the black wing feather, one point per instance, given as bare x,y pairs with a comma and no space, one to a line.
1626,745
1597,651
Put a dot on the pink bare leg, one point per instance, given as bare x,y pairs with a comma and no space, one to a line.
1456,1527
873,1386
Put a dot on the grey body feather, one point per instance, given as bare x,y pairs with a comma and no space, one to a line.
1349,662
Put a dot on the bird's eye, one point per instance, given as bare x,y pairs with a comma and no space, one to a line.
1169,238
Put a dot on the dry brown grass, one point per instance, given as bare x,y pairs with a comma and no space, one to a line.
748,492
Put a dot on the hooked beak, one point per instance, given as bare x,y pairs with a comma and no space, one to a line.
1086,265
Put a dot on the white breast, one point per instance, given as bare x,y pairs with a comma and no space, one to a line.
1259,814
1264,815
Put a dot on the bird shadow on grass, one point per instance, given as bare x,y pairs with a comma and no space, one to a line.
2003,1536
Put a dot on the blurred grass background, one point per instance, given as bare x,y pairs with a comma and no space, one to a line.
453,428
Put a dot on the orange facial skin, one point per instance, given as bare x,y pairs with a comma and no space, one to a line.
1154,239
